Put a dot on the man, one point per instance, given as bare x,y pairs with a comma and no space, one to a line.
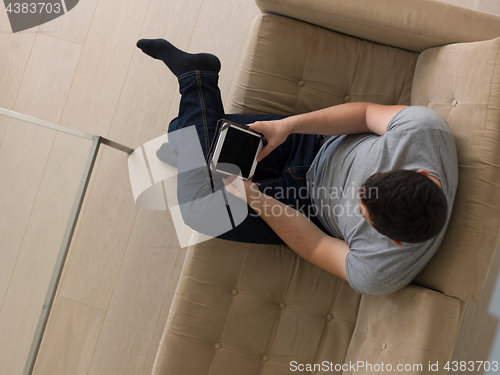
381,188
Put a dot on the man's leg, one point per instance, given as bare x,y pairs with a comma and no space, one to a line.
201,106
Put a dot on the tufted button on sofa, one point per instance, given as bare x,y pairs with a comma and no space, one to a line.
260,309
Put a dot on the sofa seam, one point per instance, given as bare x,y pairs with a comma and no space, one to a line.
405,79
297,100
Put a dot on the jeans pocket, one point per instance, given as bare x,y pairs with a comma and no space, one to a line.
298,173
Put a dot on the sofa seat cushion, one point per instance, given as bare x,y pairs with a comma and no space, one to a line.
292,67
254,309
405,332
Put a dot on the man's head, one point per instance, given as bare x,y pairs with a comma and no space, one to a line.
406,206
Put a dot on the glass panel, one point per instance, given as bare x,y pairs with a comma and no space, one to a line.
43,175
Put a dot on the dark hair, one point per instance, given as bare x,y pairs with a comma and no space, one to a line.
405,205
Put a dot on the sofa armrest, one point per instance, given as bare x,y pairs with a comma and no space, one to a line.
415,328
392,22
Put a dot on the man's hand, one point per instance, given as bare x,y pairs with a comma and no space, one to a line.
243,189
275,132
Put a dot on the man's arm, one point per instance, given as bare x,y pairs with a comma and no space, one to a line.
297,231
349,118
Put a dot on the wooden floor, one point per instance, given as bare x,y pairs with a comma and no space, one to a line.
83,70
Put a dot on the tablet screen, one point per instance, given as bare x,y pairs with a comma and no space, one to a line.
239,148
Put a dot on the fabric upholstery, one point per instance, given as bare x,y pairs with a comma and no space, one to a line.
252,309
415,25
401,329
462,83
327,68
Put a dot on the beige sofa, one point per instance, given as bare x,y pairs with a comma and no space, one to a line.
254,309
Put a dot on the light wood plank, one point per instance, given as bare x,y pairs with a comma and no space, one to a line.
76,327
471,4
23,156
35,263
72,26
162,320
4,120
227,42
71,144
137,298
99,246
103,66
77,228
47,79
489,6
225,39
16,49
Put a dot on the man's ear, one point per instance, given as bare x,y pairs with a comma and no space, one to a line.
397,243
424,172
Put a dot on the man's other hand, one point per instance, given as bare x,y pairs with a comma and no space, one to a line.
275,132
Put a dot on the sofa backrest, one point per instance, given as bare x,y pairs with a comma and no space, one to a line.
415,25
462,83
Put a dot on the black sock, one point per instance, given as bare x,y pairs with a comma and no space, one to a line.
167,154
179,62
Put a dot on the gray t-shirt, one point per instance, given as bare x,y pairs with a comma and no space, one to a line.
416,138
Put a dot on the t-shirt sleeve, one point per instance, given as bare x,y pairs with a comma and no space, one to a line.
384,269
415,118
367,280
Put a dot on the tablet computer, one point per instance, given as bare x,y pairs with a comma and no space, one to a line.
234,150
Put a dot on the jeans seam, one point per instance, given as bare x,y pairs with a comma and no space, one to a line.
203,109
196,72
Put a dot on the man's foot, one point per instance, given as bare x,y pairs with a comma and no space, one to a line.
167,154
179,62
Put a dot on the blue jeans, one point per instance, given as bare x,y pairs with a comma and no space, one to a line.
281,175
